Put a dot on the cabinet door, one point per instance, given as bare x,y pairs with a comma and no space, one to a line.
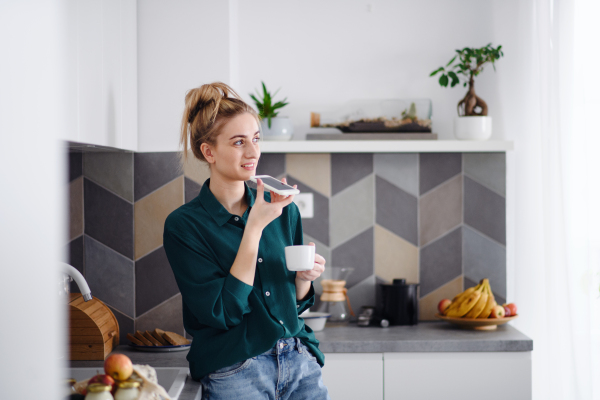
354,375
449,376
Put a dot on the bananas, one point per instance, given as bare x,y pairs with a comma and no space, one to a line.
475,302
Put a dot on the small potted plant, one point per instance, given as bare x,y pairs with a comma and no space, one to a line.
473,122
273,127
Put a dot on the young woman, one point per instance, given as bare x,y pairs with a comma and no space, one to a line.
226,249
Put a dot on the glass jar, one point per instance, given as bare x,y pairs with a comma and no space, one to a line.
128,390
377,115
98,391
70,387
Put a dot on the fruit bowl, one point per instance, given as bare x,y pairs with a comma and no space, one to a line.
480,324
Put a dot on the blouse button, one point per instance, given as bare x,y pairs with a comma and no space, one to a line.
237,218
268,293
281,322
260,260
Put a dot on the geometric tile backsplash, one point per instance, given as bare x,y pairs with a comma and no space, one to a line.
437,219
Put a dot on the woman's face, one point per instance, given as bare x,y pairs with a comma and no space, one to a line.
236,154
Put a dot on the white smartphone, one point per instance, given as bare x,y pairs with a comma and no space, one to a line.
275,185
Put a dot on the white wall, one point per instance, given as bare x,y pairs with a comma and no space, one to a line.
33,115
102,63
320,53
181,44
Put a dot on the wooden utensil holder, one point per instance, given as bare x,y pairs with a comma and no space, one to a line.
93,329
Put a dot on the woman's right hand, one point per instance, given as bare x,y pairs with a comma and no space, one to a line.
263,213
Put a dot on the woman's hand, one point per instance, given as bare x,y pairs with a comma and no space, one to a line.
304,278
263,213
312,274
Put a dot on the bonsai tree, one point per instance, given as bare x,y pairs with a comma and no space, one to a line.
469,64
265,107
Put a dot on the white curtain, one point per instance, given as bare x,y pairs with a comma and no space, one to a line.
554,192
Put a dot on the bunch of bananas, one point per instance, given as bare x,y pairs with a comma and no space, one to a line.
475,302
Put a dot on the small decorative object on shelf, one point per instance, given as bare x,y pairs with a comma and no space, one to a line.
378,116
473,122
273,127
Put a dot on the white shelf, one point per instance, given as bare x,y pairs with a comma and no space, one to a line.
385,146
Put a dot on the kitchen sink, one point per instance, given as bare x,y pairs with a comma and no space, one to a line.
171,378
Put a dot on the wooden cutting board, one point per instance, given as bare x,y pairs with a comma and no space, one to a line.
93,329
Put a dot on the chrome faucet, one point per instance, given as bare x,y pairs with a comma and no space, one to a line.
79,279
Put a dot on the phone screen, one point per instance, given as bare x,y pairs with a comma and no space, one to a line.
274,183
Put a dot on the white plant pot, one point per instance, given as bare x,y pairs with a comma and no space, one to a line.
473,127
281,129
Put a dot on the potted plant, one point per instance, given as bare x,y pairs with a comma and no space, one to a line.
273,127
473,122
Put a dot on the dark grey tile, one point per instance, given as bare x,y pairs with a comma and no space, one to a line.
167,316
75,252
484,258
318,226
152,170
191,189
271,164
441,261
362,294
126,325
154,281
108,218
111,170
356,253
436,168
489,169
110,276
348,168
75,165
469,283
485,210
396,210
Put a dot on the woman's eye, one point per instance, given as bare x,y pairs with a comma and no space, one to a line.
238,142
256,139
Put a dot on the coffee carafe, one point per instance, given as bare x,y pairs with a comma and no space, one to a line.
335,295
399,302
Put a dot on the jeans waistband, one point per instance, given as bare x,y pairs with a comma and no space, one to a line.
285,345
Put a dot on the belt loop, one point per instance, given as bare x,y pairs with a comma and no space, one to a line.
298,345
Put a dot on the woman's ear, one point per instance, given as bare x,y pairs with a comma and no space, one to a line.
207,153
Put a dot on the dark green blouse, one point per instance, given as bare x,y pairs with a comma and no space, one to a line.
230,320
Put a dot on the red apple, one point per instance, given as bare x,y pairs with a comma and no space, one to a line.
103,379
443,305
497,312
507,311
118,366
512,307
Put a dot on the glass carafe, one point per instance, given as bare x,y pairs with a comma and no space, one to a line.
334,297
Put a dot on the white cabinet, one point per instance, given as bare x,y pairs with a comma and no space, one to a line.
450,376
354,375
102,72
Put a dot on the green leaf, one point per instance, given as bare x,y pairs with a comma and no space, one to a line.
451,61
444,80
436,71
454,77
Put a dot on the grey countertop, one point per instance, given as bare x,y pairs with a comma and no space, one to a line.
425,337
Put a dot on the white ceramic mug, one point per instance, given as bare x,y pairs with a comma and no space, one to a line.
300,258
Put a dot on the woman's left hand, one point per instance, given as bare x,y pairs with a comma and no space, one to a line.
312,274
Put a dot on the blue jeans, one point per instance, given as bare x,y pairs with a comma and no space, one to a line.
288,371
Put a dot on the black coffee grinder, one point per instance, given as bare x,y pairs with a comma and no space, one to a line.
399,302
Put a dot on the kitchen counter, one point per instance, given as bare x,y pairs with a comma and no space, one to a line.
424,337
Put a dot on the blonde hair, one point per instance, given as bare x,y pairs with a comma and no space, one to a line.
207,109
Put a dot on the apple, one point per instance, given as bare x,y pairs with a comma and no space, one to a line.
103,379
443,305
118,366
497,312
506,311
512,307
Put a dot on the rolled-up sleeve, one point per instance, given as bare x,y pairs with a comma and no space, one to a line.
216,298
